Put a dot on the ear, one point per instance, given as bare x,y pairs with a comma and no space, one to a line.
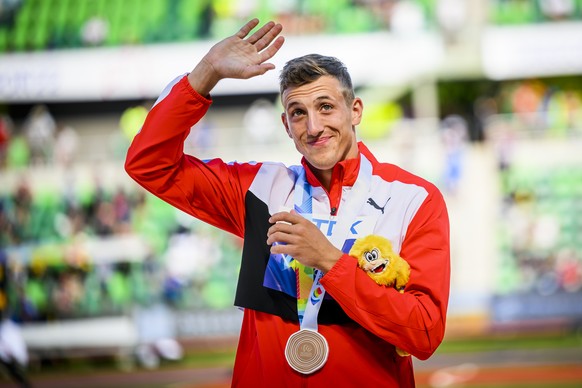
357,109
286,124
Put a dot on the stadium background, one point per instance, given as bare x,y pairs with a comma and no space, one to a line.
483,98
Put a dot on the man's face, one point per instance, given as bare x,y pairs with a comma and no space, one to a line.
320,123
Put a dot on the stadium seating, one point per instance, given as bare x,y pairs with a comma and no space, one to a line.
58,24
545,204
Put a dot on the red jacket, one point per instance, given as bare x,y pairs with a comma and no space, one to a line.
362,321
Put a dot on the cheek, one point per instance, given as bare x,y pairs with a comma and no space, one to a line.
293,134
286,124
296,131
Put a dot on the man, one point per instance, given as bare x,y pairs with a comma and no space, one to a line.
312,316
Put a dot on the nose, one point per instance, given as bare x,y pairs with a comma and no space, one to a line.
314,125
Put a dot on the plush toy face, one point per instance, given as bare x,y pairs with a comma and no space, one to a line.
374,262
377,258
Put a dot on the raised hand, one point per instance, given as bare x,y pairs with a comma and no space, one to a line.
238,56
302,240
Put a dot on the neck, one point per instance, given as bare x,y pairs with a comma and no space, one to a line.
323,176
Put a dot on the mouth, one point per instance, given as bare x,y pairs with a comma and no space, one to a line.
379,268
322,140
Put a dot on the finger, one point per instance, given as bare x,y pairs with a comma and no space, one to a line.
285,217
281,237
283,249
280,227
268,36
255,70
270,51
261,32
281,231
263,68
248,27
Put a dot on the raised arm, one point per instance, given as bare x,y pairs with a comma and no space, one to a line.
209,190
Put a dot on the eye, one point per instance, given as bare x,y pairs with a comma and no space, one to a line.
297,112
371,255
326,107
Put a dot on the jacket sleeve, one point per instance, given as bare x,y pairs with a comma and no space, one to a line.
212,191
413,321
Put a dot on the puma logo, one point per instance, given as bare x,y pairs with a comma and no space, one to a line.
375,205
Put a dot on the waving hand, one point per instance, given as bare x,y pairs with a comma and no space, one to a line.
238,56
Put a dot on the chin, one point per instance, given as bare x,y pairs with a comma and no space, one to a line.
322,165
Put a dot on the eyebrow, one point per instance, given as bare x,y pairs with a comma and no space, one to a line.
318,99
323,98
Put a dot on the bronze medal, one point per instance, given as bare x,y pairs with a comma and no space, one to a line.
306,351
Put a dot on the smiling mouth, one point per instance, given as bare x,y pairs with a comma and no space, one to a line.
379,268
319,140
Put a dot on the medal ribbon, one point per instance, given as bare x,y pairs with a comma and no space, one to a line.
310,292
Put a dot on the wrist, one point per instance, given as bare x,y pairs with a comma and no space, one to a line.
330,260
203,78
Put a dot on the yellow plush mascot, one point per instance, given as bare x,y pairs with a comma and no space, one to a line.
377,258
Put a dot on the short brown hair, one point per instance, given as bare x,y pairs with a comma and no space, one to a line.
308,68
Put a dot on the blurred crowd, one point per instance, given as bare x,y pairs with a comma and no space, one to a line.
65,244
540,232
541,229
40,140
102,250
